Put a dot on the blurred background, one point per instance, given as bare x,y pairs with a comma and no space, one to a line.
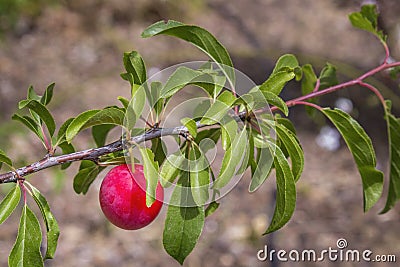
78,44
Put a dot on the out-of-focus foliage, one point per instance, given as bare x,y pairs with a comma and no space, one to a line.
20,13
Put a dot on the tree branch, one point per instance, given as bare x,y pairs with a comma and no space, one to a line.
94,153
89,154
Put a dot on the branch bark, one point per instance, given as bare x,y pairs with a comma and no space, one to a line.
89,154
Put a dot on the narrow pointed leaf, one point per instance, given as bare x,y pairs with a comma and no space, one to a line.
277,81
48,95
249,153
150,170
328,77
182,77
231,160
211,208
5,159
183,225
293,148
170,169
91,118
229,129
360,146
135,66
285,194
30,123
263,168
9,203
367,19
88,171
275,100
393,126
197,36
219,108
66,148
308,83
32,95
52,229
135,108
62,130
309,79
26,250
41,111
199,176
159,149
286,61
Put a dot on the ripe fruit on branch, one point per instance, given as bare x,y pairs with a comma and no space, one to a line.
123,198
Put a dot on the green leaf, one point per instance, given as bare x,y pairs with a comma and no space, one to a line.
285,194
150,170
43,113
275,100
183,225
5,159
393,126
182,77
159,149
277,81
213,134
308,84
135,67
28,122
261,172
249,152
9,203
52,229
231,160
26,250
328,77
197,36
100,132
287,123
286,68
170,169
211,208
92,118
309,79
199,176
286,61
293,147
367,19
219,108
32,95
62,130
135,108
66,149
360,146
88,171
124,101
190,125
48,95
229,129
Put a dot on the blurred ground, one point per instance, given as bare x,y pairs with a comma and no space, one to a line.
79,45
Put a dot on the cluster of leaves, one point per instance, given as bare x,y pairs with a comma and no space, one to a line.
248,141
